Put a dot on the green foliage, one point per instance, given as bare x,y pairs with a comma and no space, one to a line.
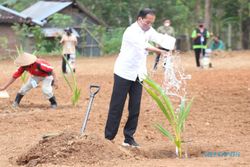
38,36
176,119
76,91
60,20
112,40
18,5
95,31
22,31
122,13
24,75
184,16
109,40
49,46
42,44
4,42
8,2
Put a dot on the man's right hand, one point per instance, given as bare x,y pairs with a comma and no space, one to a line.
165,53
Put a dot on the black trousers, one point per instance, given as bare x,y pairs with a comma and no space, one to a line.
121,88
64,63
198,55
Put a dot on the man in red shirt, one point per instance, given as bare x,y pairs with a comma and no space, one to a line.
40,70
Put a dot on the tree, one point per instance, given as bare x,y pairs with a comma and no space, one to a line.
220,17
245,23
207,13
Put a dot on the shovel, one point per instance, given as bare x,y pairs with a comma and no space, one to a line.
94,89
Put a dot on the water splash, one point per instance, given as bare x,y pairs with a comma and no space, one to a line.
175,79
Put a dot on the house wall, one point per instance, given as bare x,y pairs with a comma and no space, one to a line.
8,50
87,45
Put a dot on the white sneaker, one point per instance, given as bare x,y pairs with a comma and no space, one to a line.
15,104
130,143
53,106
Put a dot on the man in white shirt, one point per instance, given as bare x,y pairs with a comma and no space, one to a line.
129,70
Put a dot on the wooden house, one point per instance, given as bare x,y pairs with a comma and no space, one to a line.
39,14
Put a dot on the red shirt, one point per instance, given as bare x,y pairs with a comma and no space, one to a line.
40,68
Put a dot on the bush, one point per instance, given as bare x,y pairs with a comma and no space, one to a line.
112,40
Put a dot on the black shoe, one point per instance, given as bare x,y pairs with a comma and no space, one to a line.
53,103
130,143
17,100
210,65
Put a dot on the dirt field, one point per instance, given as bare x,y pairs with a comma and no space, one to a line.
219,120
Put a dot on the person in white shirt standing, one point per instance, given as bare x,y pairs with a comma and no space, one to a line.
129,70
69,42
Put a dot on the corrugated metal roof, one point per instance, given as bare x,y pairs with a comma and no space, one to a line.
43,9
21,15
55,32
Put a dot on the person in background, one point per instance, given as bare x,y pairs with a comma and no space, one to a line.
129,71
217,44
166,28
200,36
69,42
40,70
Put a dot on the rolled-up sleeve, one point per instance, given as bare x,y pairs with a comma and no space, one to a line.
155,36
18,73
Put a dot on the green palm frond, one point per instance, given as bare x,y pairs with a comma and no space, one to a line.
24,76
157,88
159,102
183,114
165,132
176,120
67,81
76,92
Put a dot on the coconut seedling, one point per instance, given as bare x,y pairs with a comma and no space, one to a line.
24,75
76,92
175,119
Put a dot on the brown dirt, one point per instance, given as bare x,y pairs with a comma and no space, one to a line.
219,120
70,147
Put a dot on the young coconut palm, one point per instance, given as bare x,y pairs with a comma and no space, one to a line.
176,119
24,75
76,92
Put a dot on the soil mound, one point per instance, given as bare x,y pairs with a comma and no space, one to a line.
68,148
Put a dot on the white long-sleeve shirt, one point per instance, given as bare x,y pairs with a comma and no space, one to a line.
132,59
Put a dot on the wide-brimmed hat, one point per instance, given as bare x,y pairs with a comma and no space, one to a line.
25,59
